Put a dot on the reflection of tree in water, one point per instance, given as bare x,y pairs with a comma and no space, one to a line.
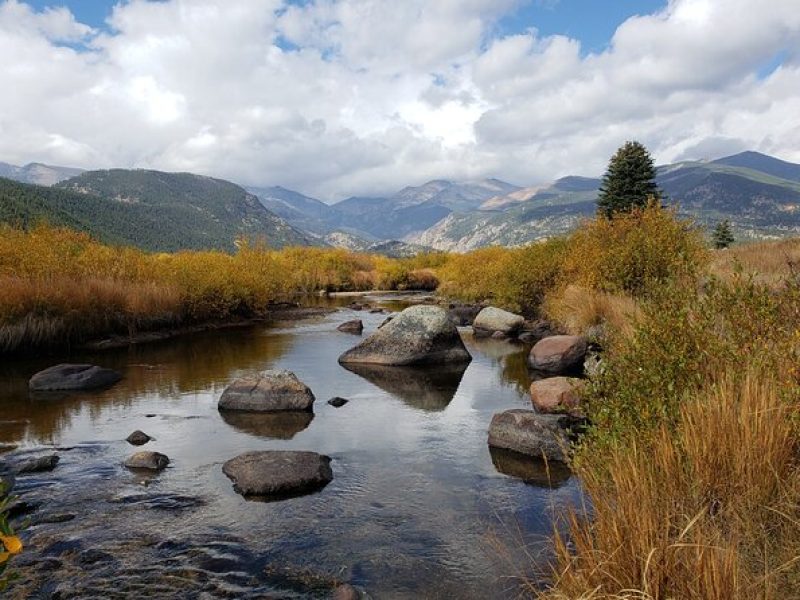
173,367
426,388
282,425
532,470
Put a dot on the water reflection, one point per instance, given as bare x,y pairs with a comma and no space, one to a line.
531,470
426,388
173,368
275,426
511,356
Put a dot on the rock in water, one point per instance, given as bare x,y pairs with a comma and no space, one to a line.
266,392
559,354
420,335
355,327
491,320
338,402
38,465
152,461
556,394
531,433
138,438
275,474
73,377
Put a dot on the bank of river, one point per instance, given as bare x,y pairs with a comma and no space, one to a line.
415,497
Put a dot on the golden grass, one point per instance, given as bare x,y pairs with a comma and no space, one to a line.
578,309
708,511
59,287
36,312
767,262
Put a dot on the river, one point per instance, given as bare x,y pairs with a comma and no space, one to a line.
419,507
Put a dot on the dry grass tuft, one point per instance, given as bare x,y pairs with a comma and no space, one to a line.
578,309
710,510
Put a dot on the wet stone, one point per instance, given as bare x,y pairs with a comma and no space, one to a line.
151,461
73,377
52,518
356,327
138,438
38,465
278,474
338,402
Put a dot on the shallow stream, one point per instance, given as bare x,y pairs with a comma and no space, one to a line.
419,506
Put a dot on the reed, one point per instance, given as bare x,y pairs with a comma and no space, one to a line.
708,510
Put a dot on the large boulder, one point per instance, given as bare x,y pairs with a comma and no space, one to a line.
267,392
492,320
276,474
420,335
558,354
528,432
556,394
73,377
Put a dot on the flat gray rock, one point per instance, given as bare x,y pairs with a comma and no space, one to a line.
420,335
278,474
531,433
151,461
267,392
73,377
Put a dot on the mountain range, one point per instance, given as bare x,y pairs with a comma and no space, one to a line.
759,194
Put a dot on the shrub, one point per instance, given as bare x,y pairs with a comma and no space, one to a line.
517,278
633,252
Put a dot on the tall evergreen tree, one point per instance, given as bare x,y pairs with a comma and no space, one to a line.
722,237
629,182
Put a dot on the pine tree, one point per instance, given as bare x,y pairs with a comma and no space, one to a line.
722,235
629,182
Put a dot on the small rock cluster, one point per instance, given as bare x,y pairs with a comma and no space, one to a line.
558,361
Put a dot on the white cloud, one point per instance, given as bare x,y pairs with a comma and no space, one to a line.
336,97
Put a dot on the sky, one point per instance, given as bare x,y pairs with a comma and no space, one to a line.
362,97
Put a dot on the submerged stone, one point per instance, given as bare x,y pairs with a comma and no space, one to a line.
73,377
38,465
